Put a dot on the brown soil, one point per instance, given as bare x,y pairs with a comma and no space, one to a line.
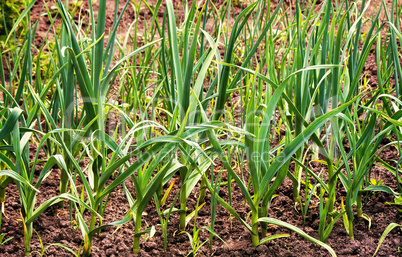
54,226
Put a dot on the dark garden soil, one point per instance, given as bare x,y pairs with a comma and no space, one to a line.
54,226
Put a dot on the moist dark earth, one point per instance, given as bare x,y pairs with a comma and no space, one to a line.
54,225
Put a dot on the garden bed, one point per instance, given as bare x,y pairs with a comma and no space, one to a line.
57,233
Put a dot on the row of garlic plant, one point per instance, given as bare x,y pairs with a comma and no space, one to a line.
311,74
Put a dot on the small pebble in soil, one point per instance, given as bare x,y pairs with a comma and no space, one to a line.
262,248
15,205
151,245
64,223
